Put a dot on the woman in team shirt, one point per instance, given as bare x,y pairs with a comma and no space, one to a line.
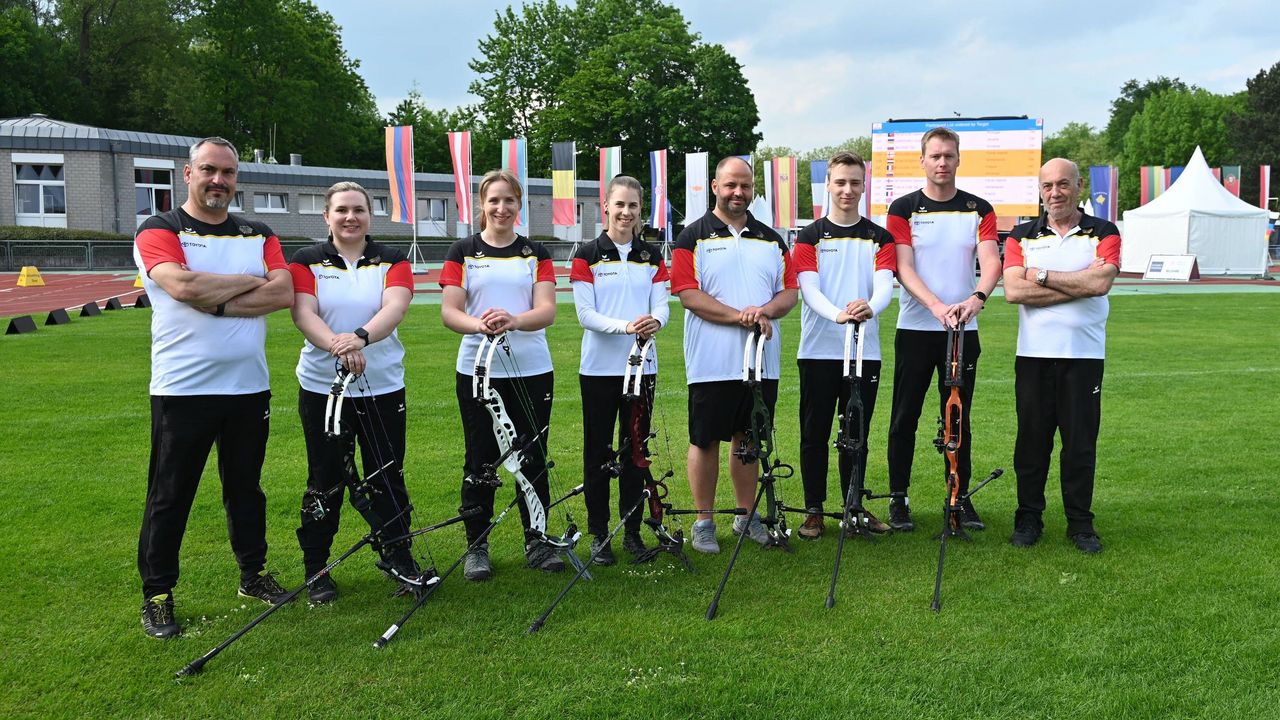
495,282
350,294
620,291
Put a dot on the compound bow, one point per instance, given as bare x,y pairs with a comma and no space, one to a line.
362,492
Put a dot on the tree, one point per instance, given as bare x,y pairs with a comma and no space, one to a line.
1081,144
1133,96
1254,130
286,74
610,72
126,60
31,65
430,142
1168,130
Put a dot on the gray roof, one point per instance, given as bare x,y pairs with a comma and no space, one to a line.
43,134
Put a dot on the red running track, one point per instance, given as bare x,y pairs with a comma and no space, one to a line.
63,290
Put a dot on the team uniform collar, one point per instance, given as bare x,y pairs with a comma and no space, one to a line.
721,227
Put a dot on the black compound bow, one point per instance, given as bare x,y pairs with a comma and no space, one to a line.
317,504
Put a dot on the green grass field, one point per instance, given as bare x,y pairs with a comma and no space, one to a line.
1177,618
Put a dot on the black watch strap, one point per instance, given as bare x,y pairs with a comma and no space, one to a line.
980,295
363,335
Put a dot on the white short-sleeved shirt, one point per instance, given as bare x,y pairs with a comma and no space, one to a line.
944,237
1077,328
195,353
739,270
348,298
501,278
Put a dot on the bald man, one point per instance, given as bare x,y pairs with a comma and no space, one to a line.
1058,269
732,274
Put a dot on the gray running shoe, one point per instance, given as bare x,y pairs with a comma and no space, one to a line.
754,528
704,537
477,566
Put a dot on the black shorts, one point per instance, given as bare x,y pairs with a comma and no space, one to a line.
721,408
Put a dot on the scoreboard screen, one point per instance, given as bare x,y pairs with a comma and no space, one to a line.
999,161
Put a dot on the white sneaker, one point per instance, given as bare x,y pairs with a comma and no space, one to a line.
704,537
755,528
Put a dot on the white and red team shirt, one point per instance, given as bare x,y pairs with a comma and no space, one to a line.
501,278
349,298
846,259
739,270
195,353
944,237
1076,328
613,285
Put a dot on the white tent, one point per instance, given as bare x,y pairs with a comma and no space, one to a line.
1197,216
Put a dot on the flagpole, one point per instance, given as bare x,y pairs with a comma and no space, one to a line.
415,253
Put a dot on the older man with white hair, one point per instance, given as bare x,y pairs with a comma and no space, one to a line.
1058,269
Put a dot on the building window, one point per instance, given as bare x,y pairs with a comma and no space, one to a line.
435,210
237,203
269,202
310,203
379,205
153,189
40,195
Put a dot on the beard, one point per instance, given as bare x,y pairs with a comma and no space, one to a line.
214,203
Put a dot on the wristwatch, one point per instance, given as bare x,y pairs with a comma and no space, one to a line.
1042,277
364,334
981,296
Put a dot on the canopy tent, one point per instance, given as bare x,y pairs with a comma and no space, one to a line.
1197,216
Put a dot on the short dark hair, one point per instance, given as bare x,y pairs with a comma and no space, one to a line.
846,158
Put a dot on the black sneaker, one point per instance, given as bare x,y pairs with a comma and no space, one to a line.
1087,542
601,551
969,516
157,617
1026,532
477,567
322,591
264,588
542,556
900,515
633,542
401,568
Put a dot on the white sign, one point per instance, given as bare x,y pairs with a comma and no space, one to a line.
1171,267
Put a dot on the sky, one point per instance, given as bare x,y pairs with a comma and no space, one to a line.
823,72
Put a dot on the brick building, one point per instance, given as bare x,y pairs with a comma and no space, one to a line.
89,178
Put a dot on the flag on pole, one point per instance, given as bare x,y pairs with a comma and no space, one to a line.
1217,174
610,165
1264,185
818,187
460,152
784,192
400,172
658,216
564,174
1104,190
695,186
1171,175
1153,182
515,157
1231,179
